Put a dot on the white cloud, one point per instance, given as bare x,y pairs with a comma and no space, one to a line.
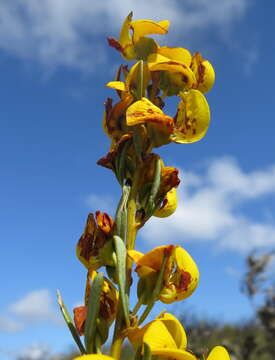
209,209
36,306
66,32
9,325
34,352
104,203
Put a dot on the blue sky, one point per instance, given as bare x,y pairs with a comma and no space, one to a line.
54,63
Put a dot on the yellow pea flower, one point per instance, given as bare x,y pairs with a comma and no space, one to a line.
218,353
130,85
181,274
189,125
176,74
107,310
169,204
94,248
204,73
94,357
165,336
135,45
192,119
114,116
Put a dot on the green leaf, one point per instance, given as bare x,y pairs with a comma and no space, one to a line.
70,323
121,275
154,189
147,355
155,292
92,313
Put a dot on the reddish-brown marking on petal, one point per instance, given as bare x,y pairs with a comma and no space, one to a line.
201,73
115,44
86,241
168,250
80,316
108,105
185,280
104,222
107,307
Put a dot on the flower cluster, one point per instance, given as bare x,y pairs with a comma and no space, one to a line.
136,124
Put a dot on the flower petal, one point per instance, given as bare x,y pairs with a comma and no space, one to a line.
192,119
204,73
94,357
118,85
187,77
157,336
218,353
153,258
178,54
176,330
176,354
145,27
143,111
169,204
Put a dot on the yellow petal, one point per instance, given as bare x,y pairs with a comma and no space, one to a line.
175,329
175,354
125,39
178,54
187,77
204,73
169,205
135,255
145,27
94,357
118,85
143,111
153,258
218,353
192,119
156,58
132,76
157,336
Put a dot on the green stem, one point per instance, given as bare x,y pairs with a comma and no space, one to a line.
137,306
156,290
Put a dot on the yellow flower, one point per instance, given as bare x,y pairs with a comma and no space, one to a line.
181,274
94,357
107,309
114,116
165,336
130,85
176,74
218,353
193,117
204,73
134,45
189,125
169,204
94,248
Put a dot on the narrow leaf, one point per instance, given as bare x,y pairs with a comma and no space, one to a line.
121,275
154,189
92,313
156,291
70,323
146,352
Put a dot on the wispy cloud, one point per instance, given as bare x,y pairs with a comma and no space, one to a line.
8,325
66,33
35,307
104,203
210,209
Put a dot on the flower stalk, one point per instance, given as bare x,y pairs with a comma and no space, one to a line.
136,125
